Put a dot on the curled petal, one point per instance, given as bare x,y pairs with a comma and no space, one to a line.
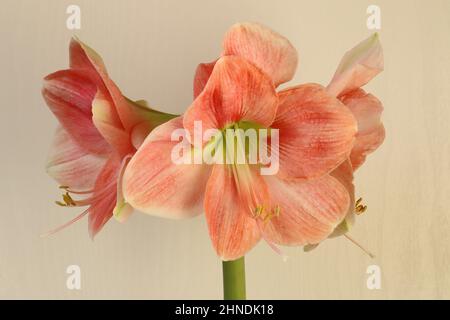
268,50
236,91
202,74
72,166
69,95
358,66
232,228
308,210
153,183
367,110
316,132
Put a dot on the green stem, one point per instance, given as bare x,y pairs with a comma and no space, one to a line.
234,279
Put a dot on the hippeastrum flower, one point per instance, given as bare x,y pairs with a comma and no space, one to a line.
99,131
301,204
358,66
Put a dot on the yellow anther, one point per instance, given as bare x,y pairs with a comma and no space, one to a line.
360,208
59,203
264,215
67,201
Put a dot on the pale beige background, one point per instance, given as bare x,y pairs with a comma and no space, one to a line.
151,49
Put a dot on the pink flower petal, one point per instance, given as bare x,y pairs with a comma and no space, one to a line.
232,228
84,57
358,66
344,174
154,184
202,74
69,95
308,210
72,166
236,91
365,144
104,118
316,132
101,210
367,110
268,50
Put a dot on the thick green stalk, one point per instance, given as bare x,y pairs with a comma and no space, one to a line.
234,279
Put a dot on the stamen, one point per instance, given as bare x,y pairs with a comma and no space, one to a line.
59,203
359,207
258,211
68,200
359,246
263,215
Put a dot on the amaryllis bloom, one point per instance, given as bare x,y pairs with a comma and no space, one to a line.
358,66
99,131
302,203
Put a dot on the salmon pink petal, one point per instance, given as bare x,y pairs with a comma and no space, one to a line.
344,174
71,165
103,116
232,228
308,211
365,144
268,50
201,77
236,91
84,57
105,195
153,183
316,132
69,95
358,66
367,110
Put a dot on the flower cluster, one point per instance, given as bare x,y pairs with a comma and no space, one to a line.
119,153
